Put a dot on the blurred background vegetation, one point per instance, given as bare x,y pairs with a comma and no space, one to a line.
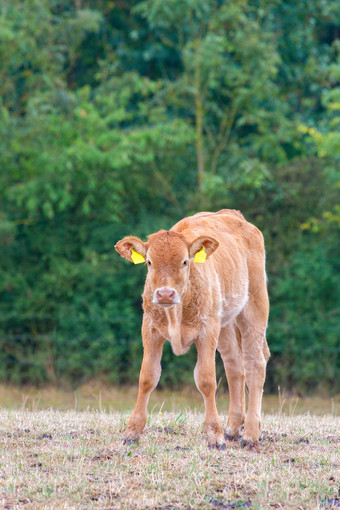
121,117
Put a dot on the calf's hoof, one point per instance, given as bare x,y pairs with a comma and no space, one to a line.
234,427
131,437
251,434
130,441
248,443
235,437
222,446
215,436
233,434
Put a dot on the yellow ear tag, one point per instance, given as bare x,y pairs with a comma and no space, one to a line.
200,256
137,258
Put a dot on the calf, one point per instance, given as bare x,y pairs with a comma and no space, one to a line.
206,284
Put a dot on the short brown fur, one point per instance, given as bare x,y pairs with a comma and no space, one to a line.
223,304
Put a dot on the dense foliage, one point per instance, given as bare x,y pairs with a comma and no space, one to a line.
122,117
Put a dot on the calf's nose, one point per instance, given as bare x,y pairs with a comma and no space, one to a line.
165,296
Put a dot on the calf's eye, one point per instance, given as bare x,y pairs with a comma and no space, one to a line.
149,263
185,263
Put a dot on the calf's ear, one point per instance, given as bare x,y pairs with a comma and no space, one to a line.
202,245
132,248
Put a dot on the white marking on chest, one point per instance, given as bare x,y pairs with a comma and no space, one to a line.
232,305
220,296
173,331
179,338
174,317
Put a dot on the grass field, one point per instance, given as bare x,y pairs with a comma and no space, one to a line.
97,396
71,459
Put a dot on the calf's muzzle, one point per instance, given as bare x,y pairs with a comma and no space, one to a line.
166,296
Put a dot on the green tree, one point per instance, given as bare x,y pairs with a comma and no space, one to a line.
120,118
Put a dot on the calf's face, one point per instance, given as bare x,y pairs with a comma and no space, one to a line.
168,256
168,262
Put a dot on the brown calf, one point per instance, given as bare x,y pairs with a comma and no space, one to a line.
219,304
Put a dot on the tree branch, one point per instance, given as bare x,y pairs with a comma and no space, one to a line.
223,136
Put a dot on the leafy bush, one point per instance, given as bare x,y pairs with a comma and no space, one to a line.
119,119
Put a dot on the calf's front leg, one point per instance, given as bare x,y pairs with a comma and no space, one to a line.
205,379
148,380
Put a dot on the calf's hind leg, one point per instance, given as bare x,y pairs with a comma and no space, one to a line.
205,379
252,323
229,347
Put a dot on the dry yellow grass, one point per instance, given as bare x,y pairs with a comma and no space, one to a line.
97,396
69,459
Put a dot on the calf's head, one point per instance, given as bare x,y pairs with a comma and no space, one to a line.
168,256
